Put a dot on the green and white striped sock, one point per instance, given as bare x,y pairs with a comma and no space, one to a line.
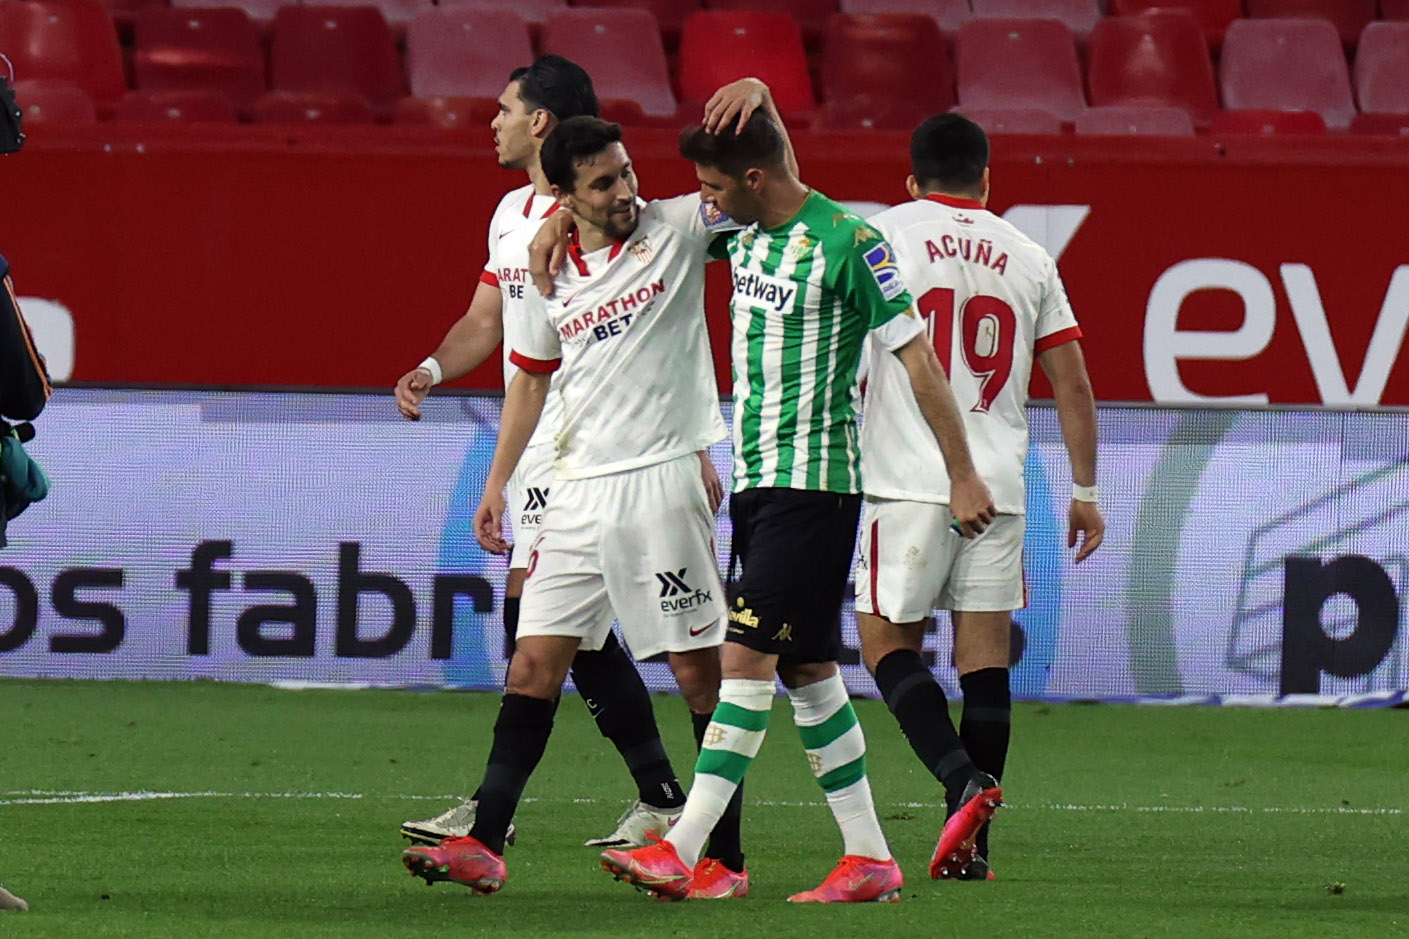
836,748
730,743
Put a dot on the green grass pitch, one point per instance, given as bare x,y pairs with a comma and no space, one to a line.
282,809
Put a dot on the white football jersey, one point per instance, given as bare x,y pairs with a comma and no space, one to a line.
626,331
517,219
991,299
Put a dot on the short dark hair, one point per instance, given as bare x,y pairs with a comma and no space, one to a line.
558,85
949,152
759,144
572,140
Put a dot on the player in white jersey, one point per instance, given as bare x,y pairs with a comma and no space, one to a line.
630,529
993,302
536,99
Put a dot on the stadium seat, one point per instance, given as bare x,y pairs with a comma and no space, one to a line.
1078,15
871,112
397,12
313,107
203,106
447,111
595,40
1382,68
889,56
1013,120
811,15
124,12
534,11
1122,121
465,53
1292,65
213,50
1156,59
1393,125
336,49
949,14
1006,64
54,101
1268,122
670,14
261,11
1349,17
71,40
720,46
1213,15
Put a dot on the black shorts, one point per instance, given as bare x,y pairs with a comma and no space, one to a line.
795,547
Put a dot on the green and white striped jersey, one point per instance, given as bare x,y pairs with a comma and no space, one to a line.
805,296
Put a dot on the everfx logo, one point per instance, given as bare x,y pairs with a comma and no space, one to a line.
676,594
537,499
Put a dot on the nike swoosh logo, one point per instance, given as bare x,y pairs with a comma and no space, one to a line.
504,234
696,632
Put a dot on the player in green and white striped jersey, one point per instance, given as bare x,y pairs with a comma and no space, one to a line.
811,281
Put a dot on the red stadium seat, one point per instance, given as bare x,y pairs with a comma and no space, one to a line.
871,112
1382,68
154,107
670,14
1349,17
71,40
124,12
1268,122
1013,120
1122,121
465,53
1157,59
313,107
1213,15
534,11
261,11
595,39
1394,9
890,56
949,14
1078,15
1393,125
1007,64
54,101
811,15
336,49
1291,65
213,50
397,12
447,111
717,47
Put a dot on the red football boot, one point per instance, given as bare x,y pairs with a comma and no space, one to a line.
955,849
857,879
656,869
464,860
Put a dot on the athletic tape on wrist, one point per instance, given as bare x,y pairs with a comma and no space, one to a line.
432,366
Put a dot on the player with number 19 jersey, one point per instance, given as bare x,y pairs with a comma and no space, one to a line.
991,299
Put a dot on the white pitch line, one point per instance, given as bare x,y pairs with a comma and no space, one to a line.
79,797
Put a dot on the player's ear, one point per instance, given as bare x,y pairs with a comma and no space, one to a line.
912,186
753,180
541,121
983,187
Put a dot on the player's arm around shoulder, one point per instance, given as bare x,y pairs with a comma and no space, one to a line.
548,249
1065,367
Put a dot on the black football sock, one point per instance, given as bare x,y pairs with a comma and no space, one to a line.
520,736
918,703
725,841
985,725
511,625
620,704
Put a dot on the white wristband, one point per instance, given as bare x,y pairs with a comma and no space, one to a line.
1085,493
432,366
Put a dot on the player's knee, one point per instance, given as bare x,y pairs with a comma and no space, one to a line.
697,674
535,673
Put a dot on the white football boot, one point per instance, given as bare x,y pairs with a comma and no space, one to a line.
454,822
637,826
8,901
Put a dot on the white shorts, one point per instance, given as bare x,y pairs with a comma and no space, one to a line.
527,498
912,562
638,545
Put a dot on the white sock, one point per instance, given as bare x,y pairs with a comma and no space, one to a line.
730,743
836,748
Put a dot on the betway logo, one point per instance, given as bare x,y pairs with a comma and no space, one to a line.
762,289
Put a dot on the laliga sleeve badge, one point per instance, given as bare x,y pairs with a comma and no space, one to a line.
11,138
881,261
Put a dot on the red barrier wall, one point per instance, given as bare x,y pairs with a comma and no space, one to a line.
249,256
